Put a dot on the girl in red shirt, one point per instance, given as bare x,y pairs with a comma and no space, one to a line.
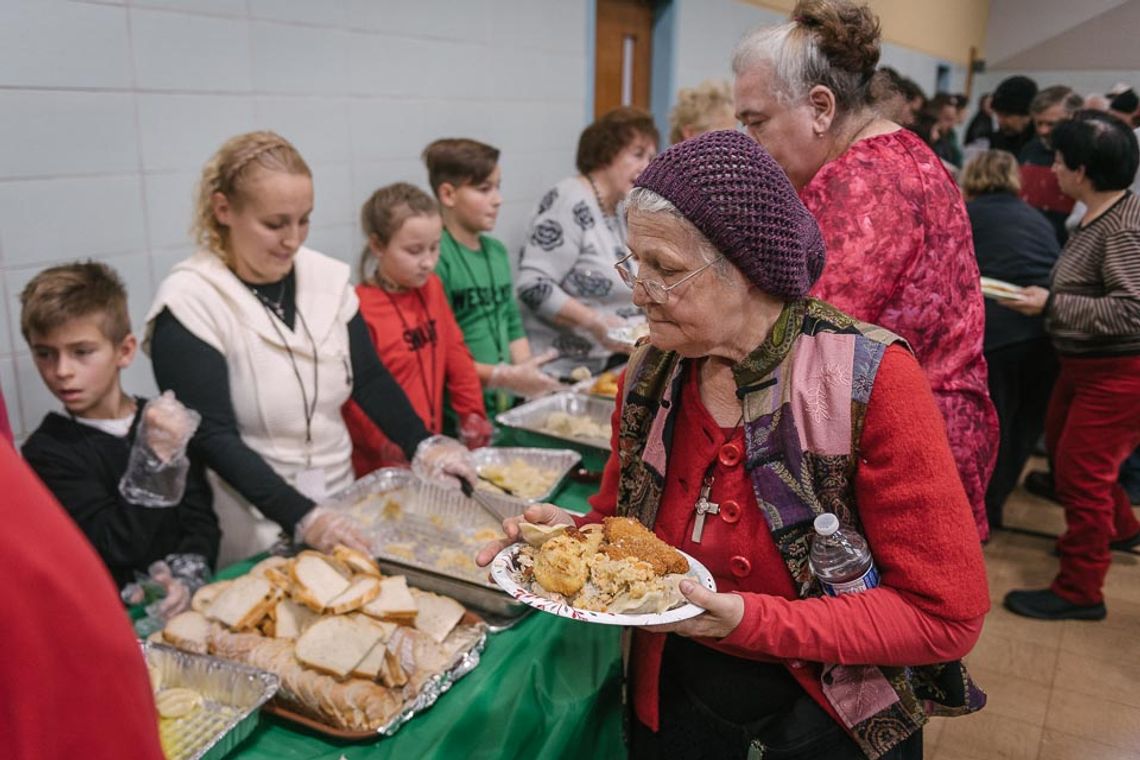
412,326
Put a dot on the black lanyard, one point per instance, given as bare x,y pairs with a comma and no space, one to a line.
309,410
427,383
490,313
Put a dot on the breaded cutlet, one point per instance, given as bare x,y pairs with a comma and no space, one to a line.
627,537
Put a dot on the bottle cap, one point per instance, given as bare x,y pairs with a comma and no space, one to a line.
826,524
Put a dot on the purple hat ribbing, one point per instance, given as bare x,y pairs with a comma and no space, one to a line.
736,194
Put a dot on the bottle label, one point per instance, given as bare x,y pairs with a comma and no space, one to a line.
867,580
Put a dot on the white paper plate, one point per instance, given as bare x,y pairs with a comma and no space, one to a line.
1001,290
627,335
503,567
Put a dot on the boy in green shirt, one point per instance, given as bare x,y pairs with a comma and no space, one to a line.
465,177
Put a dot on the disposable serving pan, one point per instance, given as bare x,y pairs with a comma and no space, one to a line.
529,421
232,695
431,533
560,461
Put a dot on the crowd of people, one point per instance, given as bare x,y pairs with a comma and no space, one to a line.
818,342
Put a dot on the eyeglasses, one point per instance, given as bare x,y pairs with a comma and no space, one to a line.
658,292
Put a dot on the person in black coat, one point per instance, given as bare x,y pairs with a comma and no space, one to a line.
1015,243
75,321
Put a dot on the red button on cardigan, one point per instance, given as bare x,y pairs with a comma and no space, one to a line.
730,511
731,453
740,566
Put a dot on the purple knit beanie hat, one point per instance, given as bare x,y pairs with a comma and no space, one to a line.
736,194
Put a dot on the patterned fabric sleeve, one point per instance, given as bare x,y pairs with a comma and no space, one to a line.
552,247
1117,312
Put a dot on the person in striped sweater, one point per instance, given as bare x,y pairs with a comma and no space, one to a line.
1092,314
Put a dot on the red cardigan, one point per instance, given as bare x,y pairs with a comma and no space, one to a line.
933,594
72,678
423,348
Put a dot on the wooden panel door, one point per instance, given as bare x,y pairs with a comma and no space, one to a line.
622,54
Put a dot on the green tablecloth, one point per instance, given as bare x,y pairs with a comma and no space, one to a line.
549,687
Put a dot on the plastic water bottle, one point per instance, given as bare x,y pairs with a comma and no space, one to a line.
841,559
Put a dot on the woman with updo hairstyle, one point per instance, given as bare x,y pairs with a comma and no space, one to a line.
264,338
899,252
704,108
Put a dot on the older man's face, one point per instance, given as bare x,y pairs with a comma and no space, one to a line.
1045,121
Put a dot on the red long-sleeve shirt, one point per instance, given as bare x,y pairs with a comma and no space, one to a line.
933,594
418,340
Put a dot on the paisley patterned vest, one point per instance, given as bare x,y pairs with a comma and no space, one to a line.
804,392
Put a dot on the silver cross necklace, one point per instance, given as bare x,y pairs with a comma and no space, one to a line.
704,505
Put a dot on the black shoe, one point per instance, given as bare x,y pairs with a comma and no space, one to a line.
1043,604
1040,483
1125,544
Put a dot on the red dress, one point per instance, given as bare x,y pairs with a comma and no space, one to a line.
419,342
900,254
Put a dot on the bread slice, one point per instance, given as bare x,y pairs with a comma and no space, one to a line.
336,645
269,563
394,603
372,663
243,603
392,673
438,615
386,628
205,596
357,561
317,581
189,631
291,619
363,589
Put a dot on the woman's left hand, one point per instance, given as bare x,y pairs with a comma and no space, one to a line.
1032,301
723,612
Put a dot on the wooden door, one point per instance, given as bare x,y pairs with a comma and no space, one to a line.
622,54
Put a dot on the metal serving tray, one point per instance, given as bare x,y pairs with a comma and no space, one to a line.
561,461
232,695
532,416
430,533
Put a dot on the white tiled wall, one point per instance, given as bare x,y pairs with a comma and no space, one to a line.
108,110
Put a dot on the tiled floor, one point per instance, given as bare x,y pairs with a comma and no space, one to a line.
1057,691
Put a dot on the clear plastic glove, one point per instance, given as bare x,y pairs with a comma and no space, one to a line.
525,379
176,591
475,431
157,466
438,457
324,527
600,327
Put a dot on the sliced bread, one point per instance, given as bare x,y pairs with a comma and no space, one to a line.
189,631
292,619
394,603
363,589
205,596
357,561
269,563
437,615
243,603
386,628
372,663
336,645
317,580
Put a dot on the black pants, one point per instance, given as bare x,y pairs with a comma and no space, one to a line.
692,729
1021,379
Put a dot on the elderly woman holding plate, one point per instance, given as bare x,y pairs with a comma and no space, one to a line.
751,410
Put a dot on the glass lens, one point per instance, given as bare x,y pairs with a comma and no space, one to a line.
655,290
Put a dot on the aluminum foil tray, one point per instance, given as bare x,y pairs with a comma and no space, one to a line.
557,461
431,533
533,416
232,695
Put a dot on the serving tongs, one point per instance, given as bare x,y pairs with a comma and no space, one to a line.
469,490
504,489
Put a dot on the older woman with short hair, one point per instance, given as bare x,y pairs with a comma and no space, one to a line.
1092,313
897,236
774,408
704,108
570,295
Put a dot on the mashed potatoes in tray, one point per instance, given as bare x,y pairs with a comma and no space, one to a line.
619,567
525,480
574,426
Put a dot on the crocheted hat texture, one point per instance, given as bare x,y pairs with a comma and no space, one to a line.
736,194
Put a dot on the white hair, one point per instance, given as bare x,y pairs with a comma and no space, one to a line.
644,201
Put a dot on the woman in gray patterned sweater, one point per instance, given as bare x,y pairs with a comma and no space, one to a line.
1092,313
570,292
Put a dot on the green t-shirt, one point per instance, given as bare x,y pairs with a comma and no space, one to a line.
479,288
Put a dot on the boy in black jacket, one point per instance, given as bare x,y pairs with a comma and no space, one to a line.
75,321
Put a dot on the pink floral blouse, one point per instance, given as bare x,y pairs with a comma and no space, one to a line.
900,254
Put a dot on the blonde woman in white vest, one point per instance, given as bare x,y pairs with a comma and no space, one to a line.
264,338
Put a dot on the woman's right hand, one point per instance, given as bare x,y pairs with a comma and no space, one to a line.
323,528
525,379
537,514
600,327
